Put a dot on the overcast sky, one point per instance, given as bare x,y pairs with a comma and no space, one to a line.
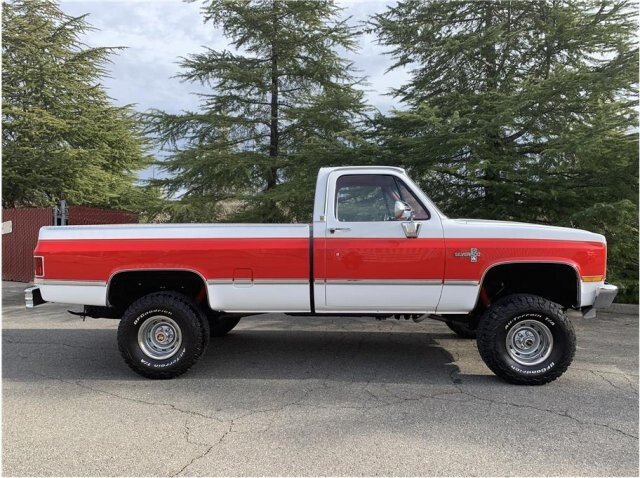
156,33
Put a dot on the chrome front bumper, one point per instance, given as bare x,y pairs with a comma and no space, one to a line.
33,297
605,294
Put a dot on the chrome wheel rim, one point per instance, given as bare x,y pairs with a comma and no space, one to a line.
159,337
529,342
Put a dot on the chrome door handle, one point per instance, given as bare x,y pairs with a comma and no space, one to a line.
334,229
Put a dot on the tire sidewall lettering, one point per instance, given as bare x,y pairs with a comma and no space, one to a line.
533,372
172,361
531,316
144,315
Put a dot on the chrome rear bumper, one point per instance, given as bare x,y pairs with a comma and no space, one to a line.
33,297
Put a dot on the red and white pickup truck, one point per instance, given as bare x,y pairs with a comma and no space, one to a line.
377,247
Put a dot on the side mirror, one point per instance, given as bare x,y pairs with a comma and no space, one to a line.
401,210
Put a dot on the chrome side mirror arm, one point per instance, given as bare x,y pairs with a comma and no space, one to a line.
411,229
402,210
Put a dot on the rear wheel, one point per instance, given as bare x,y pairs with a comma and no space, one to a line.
161,335
526,339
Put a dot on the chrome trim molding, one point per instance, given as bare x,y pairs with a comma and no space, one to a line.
257,281
461,282
74,283
379,281
378,310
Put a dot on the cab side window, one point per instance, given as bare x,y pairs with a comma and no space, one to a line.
371,197
361,198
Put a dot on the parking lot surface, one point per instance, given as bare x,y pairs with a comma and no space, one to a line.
310,396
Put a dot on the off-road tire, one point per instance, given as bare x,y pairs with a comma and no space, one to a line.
505,314
462,330
193,325
221,326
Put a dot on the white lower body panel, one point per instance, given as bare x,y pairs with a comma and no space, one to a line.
259,297
363,296
458,298
83,294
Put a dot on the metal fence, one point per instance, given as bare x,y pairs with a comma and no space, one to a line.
18,245
21,227
82,216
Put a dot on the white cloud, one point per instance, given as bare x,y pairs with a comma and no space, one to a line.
157,33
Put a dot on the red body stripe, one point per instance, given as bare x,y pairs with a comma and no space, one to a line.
356,258
288,258
98,259
587,257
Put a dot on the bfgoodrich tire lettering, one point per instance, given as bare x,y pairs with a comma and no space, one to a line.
543,324
180,317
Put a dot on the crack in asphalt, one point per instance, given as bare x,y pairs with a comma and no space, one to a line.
73,346
608,372
173,407
322,385
617,387
234,420
564,413
452,356
206,452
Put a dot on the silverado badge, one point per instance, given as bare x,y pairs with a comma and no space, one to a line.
472,254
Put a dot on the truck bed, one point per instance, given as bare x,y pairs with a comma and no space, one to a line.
231,258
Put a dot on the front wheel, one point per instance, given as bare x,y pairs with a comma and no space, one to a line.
526,339
161,335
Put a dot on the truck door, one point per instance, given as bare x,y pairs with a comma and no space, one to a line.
374,261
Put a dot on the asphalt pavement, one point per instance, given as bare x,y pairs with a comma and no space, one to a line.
310,396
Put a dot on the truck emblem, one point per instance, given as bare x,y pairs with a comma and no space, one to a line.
473,254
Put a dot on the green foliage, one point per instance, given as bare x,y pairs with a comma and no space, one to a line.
61,137
521,111
619,223
279,106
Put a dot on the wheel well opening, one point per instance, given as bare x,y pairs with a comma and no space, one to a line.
127,287
558,283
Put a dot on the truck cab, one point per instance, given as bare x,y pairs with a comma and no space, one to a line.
378,243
